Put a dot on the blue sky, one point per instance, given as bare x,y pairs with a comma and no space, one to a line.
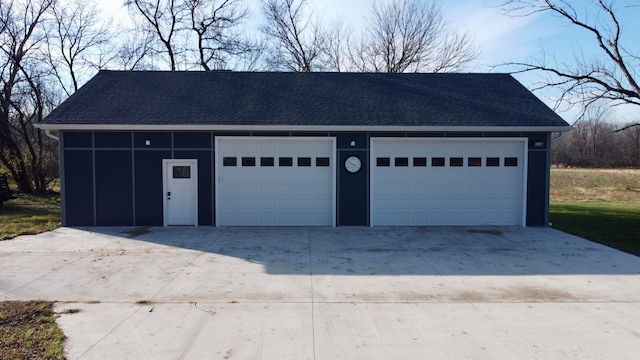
501,38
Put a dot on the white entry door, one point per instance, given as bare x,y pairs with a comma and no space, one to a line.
180,187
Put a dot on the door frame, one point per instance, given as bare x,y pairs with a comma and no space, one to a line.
218,166
165,180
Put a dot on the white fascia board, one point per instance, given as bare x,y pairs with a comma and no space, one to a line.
323,128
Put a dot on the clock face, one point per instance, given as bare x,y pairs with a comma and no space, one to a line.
353,164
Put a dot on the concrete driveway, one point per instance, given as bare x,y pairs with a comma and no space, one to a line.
330,293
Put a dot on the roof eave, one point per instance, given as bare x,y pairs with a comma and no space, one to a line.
298,128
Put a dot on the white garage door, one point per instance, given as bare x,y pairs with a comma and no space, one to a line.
275,181
418,181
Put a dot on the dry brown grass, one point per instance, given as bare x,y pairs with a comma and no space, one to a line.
595,185
28,330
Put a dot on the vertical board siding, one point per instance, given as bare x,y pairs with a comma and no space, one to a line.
157,140
113,140
114,188
192,140
353,190
78,187
537,191
148,184
76,140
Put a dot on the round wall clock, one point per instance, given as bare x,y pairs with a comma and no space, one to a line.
353,164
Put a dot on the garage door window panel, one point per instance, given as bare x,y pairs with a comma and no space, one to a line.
322,162
285,161
229,161
456,162
401,162
248,161
474,161
419,161
304,162
383,161
493,161
510,161
266,161
437,162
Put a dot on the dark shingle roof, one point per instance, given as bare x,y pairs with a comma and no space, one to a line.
298,99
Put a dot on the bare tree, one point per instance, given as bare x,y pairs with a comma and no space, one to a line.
594,143
21,94
134,51
337,42
297,41
214,23
252,59
632,143
163,17
76,32
411,36
611,76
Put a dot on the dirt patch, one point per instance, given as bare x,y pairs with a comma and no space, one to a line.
536,294
496,232
69,311
470,296
132,234
515,294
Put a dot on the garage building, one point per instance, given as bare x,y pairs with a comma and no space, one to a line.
155,148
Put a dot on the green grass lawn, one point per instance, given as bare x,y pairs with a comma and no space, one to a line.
602,205
613,224
29,214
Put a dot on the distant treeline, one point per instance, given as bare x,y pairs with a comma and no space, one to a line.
597,143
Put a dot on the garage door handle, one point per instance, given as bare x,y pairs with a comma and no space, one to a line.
168,195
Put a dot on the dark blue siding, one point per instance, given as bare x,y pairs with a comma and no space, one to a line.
148,185
78,187
353,191
157,140
113,139
114,188
192,140
538,141
77,140
205,186
343,140
537,189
